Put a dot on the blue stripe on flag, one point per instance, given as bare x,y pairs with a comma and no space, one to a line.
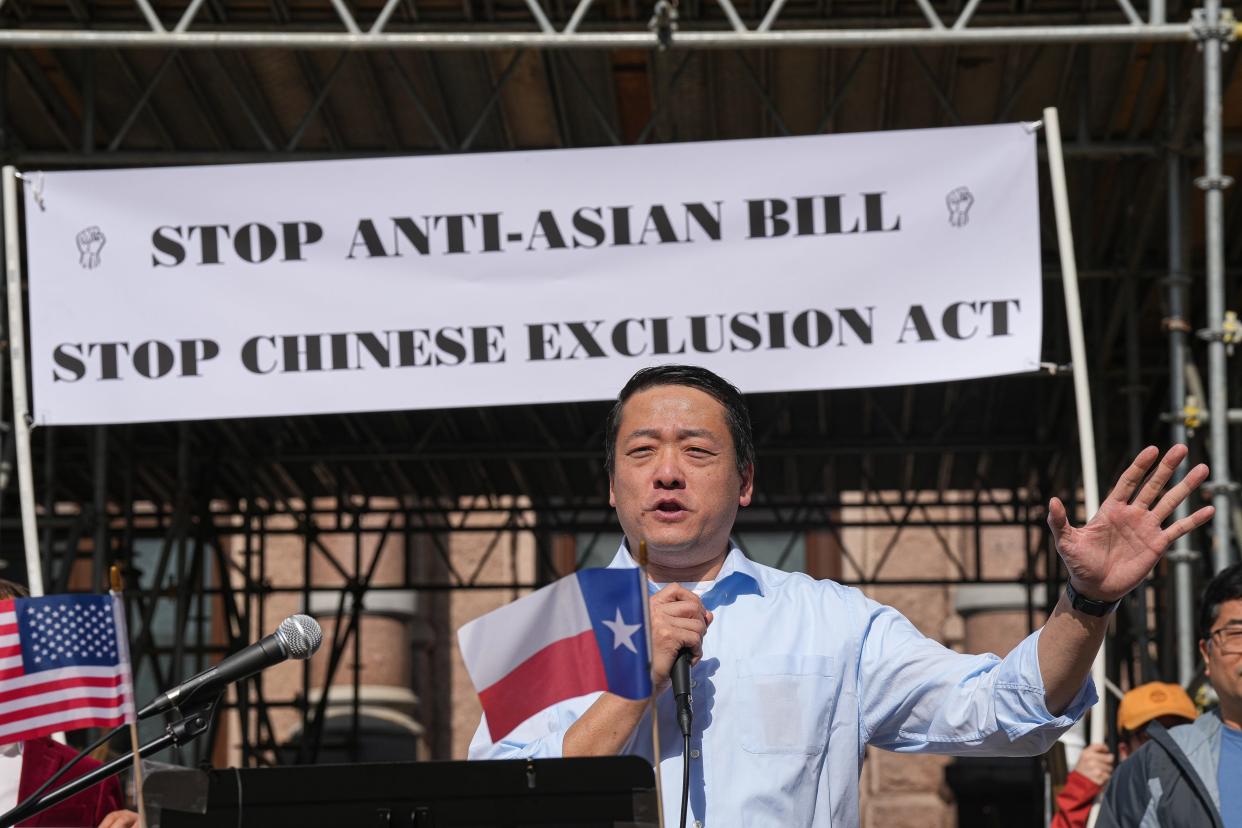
614,602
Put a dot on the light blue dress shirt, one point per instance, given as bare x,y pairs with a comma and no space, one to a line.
797,677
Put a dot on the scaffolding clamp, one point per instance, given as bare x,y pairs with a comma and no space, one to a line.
1219,182
664,22
1229,332
1212,488
1224,28
1191,415
1182,556
1055,369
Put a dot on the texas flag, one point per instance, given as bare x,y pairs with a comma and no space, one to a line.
581,634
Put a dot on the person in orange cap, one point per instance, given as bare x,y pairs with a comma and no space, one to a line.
1168,704
1155,701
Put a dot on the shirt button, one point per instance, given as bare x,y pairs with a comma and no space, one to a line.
698,823
694,754
693,683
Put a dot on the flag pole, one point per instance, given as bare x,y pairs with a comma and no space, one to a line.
118,589
655,717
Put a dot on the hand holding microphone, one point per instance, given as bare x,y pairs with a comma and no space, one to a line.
678,622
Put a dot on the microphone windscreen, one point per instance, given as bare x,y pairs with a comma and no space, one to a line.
301,635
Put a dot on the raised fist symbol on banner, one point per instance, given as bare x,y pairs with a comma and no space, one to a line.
90,242
959,202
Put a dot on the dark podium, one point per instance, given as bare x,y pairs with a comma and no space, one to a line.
612,792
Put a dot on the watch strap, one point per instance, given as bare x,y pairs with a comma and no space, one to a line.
1090,606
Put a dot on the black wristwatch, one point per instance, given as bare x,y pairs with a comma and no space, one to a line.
1088,605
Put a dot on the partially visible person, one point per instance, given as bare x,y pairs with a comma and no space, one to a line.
1155,701
1083,784
1188,777
25,766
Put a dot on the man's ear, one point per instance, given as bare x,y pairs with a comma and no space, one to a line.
748,486
1203,653
612,495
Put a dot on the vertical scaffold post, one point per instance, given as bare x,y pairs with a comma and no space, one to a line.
1182,557
1214,30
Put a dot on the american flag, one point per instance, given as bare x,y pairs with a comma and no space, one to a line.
64,664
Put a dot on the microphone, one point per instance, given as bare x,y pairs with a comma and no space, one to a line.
297,637
681,689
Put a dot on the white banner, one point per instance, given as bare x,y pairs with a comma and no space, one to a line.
527,277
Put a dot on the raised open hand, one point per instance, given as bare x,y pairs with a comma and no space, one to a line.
1118,547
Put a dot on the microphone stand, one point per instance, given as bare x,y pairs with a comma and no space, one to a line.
193,722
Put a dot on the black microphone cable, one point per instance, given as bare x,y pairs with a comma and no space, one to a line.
685,717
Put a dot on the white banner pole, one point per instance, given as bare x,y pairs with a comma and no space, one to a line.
17,365
1078,356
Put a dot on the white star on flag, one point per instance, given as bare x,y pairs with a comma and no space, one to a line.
623,633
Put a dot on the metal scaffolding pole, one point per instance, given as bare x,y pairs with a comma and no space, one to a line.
785,38
1214,182
17,361
1182,557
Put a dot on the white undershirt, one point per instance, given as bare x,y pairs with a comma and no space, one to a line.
699,588
10,775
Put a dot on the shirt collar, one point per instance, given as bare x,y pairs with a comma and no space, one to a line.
738,575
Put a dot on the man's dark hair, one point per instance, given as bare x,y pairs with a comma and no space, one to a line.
1226,586
736,414
12,589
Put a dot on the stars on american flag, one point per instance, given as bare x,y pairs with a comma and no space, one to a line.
81,633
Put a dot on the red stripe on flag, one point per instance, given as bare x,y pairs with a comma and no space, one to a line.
60,684
58,706
9,652
12,672
562,670
8,629
65,726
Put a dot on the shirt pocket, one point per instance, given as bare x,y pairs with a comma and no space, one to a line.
786,702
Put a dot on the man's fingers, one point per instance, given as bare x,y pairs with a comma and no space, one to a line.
1173,498
1057,521
671,639
1189,524
671,593
1133,476
681,609
695,625
1160,477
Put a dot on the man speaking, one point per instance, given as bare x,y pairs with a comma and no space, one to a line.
793,677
